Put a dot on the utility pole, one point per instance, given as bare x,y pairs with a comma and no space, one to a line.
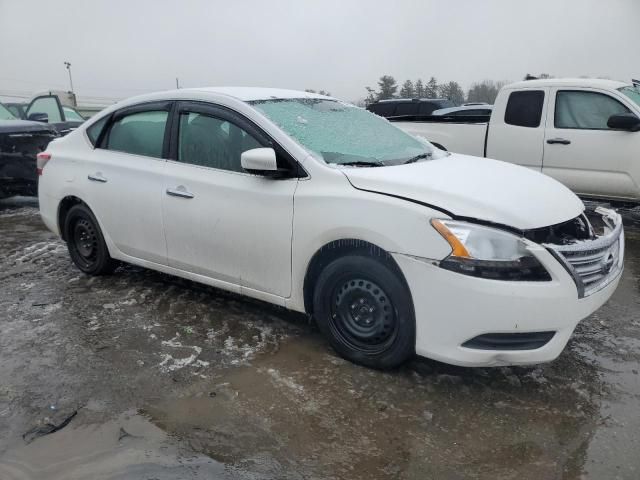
68,65
177,83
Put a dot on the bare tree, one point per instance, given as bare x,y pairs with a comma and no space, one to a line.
485,91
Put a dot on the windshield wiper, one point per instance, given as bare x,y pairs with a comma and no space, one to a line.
361,163
418,157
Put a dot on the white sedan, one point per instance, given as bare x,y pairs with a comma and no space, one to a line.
301,200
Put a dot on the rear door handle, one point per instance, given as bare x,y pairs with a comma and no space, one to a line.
561,141
97,177
180,191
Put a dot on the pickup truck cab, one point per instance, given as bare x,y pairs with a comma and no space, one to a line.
582,132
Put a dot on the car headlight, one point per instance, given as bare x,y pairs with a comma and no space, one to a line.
487,252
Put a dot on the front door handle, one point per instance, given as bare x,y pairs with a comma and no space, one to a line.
97,177
180,191
561,141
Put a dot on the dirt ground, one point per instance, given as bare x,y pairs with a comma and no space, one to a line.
173,380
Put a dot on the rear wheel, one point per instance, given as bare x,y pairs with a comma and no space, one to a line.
85,242
365,310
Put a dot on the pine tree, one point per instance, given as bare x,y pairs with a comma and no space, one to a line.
407,90
432,88
419,89
388,87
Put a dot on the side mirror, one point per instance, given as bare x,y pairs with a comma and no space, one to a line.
624,121
38,117
259,160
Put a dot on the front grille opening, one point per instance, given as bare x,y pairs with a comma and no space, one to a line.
510,341
564,233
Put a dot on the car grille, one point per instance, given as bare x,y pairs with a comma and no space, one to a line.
595,263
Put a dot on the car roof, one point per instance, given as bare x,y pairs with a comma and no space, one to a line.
248,94
569,82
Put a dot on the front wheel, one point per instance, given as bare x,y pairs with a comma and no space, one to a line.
85,242
365,310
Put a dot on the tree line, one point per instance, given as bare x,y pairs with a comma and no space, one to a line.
484,91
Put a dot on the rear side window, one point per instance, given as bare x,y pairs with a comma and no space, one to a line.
585,110
407,108
94,131
139,133
524,109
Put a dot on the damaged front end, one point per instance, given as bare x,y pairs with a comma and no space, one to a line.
590,247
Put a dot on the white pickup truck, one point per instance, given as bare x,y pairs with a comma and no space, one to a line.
583,132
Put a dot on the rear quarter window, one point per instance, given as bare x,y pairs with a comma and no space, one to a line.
524,109
94,131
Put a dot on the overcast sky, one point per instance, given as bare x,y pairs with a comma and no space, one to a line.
120,48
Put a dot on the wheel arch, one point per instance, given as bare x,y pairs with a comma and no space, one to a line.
64,206
337,249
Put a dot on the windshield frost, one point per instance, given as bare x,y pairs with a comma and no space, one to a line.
340,133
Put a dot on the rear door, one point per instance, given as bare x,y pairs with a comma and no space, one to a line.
123,178
582,152
517,136
220,221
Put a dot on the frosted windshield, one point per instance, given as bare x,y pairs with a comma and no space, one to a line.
340,133
632,92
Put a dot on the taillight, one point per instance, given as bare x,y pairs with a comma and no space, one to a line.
43,158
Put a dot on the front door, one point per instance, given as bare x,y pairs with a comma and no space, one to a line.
221,221
582,152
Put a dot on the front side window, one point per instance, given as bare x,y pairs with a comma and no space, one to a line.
139,133
339,133
212,142
585,110
48,105
632,92
524,108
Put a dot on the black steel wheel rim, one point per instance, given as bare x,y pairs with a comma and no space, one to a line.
363,316
85,241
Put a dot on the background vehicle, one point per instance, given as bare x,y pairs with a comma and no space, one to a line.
49,109
465,110
394,247
582,132
18,109
408,106
20,141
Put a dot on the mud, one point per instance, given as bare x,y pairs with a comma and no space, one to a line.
176,380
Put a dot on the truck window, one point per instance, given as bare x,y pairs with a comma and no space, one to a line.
427,108
407,108
524,109
585,110
383,109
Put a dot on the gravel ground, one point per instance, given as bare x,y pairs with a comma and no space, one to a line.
172,380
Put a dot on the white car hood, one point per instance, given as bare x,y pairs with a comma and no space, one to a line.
478,188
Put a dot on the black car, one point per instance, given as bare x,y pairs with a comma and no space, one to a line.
47,108
20,142
408,106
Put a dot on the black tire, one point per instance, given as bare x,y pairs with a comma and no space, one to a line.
85,242
364,309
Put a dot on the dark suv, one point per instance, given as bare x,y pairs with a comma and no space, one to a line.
20,142
408,106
